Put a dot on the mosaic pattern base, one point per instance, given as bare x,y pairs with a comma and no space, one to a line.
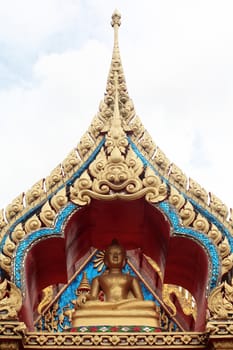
107,329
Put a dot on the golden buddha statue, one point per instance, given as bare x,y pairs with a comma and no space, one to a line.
123,299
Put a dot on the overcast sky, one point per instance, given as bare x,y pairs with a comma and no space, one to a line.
54,61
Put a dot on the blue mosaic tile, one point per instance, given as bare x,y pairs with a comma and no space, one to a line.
204,240
35,209
24,245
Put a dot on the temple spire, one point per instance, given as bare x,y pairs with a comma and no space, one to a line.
117,104
116,22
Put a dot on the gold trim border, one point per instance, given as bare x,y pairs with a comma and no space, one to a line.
158,340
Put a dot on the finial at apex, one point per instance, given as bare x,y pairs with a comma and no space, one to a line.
116,18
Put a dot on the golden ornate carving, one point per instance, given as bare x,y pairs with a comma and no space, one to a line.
224,248
187,214
59,200
54,178
32,224
10,300
218,207
223,344
117,179
137,128
177,177
220,331
47,215
85,145
185,299
9,247
35,193
115,171
161,161
70,163
5,263
215,234
197,191
47,297
227,264
129,340
18,233
3,222
176,199
14,208
201,224
147,144
96,127
220,301
9,345
50,320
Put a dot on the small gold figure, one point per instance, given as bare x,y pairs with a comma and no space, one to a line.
123,299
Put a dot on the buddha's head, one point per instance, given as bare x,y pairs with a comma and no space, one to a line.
115,255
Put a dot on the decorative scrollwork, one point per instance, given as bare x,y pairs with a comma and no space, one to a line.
54,178
59,200
176,198
224,248
201,224
14,208
227,264
161,161
10,301
137,127
178,177
187,214
147,144
215,234
47,215
96,127
70,162
9,247
18,233
85,145
197,191
35,193
32,224
3,222
220,301
5,263
218,207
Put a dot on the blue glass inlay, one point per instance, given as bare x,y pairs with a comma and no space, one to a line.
214,221
211,217
69,294
165,207
204,240
25,244
69,182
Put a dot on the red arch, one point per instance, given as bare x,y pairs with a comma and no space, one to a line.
136,225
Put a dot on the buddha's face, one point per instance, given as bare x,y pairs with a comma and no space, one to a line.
115,256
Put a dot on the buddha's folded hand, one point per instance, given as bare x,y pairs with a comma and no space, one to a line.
82,298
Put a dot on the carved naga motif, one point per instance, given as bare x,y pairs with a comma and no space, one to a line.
185,299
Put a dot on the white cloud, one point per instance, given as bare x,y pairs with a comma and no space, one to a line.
28,22
177,58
